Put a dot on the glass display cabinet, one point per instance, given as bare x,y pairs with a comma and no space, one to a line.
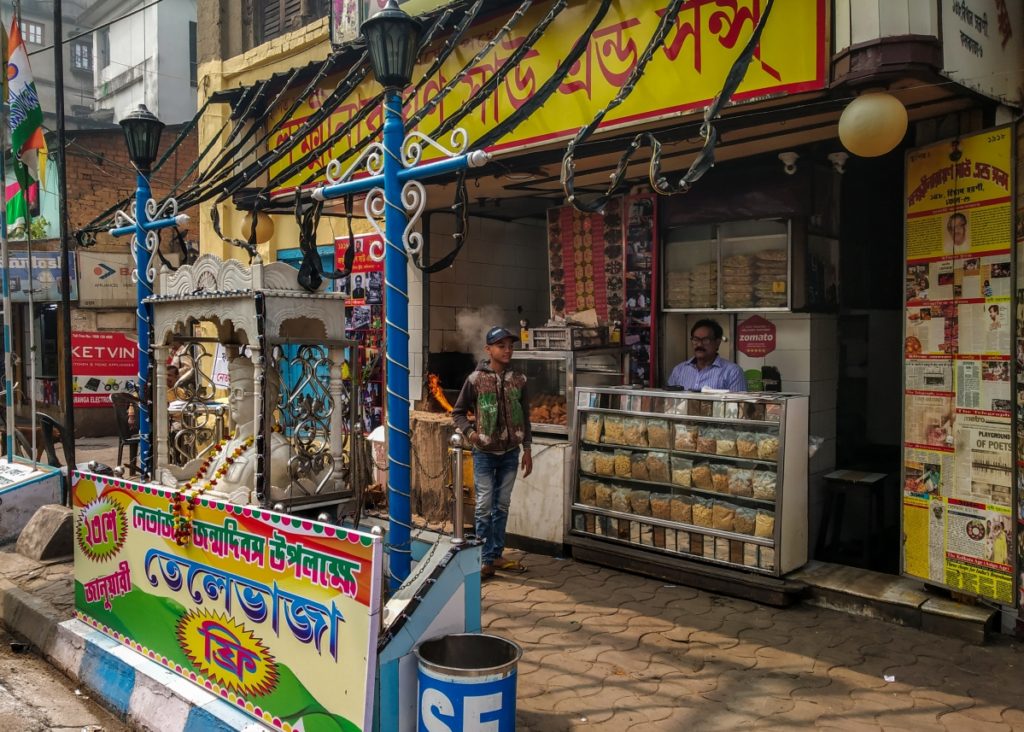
712,478
552,377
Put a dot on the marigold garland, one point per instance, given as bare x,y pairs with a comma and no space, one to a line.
188,495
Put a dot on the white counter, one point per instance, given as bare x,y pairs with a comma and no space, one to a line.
538,502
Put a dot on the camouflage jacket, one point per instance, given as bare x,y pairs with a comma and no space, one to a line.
500,404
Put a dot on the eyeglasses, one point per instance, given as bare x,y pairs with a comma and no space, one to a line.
707,340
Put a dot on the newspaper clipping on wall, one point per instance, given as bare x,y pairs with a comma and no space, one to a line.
958,463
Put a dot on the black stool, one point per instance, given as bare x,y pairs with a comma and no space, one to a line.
837,485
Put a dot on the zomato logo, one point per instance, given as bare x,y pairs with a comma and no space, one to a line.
755,336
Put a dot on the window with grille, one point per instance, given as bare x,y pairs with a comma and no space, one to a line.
32,32
81,56
277,17
193,55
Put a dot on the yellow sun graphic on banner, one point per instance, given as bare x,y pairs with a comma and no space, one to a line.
227,653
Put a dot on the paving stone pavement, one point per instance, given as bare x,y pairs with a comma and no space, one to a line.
605,650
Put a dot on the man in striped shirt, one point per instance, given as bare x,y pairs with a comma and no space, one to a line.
707,368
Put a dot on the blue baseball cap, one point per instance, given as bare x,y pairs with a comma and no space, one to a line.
498,333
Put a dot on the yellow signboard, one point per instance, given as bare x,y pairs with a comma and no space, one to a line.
684,74
275,614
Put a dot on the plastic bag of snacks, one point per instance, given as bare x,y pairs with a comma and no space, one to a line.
682,470
685,437
623,463
681,509
723,516
739,482
640,502
661,506
720,478
592,427
588,491
764,484
703,512
614,431
657,433
588,461
726,442
746,444
634,430
657,466
701,476
768,447
745,518
604,463
639,466
603,496
620,499
764,525
707,440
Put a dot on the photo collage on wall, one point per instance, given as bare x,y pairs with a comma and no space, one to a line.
957,509
640,326
585,256
364,318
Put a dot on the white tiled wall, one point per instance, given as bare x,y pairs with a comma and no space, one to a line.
502,264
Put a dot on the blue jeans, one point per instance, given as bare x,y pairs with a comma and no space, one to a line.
494,474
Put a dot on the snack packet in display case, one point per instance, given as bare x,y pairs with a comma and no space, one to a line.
707,440
623,463
722,548
592,427
764,482
604,463
682,470
746,444
709,547
723,516
657,433
620,499
726,442
614,431
588,491
661,506
766,560
634,431
603,496
764,525
740,482
639,466
750,555
702,512
657,467
720,478
682,509
767,446
640,502
745,518
588,460
701,475
685,437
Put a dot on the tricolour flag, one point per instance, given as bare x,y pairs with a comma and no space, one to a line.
26,115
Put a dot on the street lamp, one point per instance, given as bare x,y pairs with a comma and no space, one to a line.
392,38
393,190
142,135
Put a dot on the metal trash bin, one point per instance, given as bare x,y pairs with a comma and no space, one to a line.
467,681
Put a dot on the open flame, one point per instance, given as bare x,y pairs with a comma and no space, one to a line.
434,386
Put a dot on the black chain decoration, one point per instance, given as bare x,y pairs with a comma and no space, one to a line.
248,247
461,209
704,161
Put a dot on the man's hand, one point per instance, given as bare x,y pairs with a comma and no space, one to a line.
527,463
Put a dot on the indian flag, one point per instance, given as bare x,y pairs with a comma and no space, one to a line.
26,115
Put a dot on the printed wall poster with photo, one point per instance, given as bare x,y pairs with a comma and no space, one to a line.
958,464
639,329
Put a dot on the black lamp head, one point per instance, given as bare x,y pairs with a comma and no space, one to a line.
142,134
392,38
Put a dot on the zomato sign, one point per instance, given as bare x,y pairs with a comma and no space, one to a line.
755,336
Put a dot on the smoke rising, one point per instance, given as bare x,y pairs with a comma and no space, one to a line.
472,325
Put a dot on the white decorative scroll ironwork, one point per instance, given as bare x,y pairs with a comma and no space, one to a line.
414,200
168,209
374,206
372,156
412,146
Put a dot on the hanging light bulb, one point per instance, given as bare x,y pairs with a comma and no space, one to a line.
264,227
873,124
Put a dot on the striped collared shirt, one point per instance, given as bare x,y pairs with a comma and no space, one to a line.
721,374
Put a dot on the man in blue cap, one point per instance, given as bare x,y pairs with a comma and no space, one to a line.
496,394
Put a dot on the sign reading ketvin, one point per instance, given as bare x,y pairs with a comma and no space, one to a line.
276,614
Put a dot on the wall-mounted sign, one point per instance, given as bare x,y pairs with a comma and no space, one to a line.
694,60
365,284
106,279
276,614
755,337
102,364
982,44
46,271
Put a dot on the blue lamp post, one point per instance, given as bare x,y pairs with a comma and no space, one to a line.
394,191
142,134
